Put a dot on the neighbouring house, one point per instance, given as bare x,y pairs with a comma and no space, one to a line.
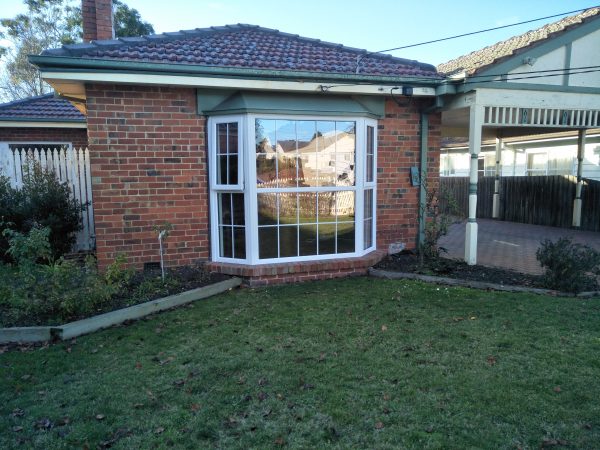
544,154
275,157
53,132
533,86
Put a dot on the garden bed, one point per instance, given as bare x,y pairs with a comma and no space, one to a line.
138,288
408,262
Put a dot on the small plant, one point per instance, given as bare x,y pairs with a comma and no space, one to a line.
437,221
27,249
568,266
163,231
117,273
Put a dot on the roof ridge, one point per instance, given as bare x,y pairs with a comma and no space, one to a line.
85,47
565,24
21,101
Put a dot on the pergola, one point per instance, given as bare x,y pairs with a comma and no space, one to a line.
544,81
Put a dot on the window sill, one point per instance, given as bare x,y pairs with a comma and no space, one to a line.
299,271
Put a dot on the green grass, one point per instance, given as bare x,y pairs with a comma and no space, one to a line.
357,363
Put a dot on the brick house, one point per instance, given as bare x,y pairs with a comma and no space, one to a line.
45,120
275,157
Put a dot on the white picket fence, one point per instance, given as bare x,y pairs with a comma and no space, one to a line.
70,165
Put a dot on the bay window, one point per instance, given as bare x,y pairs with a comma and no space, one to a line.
291,188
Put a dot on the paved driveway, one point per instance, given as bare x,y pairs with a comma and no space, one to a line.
511,245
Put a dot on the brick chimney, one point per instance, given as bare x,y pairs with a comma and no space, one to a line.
97,20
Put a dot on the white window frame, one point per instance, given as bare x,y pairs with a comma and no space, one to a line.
247,186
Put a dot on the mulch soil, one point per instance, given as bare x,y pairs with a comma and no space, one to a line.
408,261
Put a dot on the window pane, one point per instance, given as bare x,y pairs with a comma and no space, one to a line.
345,206
266,170
307,152
232,128
370,154
344,169
222,169
288,241
287,170
225,242
265,135
238,209
326,207
267,242
367,234
222,138
326,140
307,207
326,239
224,209
308,240
345,237
233,169
239,242
267,209
288,208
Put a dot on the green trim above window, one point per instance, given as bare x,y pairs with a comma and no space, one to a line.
222,102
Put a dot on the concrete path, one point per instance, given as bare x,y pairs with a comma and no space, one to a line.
511,245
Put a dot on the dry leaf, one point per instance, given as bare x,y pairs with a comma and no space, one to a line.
279,441
159,430
384,328
100,416
386,397
557,389
379,425
491,360
195,407
17,429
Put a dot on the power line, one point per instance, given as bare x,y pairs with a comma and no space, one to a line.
360,57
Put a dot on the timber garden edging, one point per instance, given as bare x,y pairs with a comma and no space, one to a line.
95,323
377,273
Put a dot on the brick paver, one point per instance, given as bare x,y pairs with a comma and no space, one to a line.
511,245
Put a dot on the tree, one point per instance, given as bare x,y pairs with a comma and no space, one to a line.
49,24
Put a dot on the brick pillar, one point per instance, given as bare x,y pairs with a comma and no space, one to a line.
97,20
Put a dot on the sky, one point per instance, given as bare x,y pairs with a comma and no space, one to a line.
369,24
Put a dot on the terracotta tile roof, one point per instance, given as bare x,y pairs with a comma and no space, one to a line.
44,107
478,60
247,47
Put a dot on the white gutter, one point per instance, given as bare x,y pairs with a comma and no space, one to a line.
41,124
237,83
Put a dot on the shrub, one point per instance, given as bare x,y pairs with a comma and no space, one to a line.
440,211
43,201
568,266
29,248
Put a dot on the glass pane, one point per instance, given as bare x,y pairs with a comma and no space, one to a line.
267,209
288,208
287,170
345,237
344,169
367,233
307,152
233,169
222,169
326,239
238,209
326,207
345,206
266,171
222,138
233,138
370,153
225,242
308,240
267,242
288,241
224,209
286,153
370,162
368,203
265,135
239,242
307,207
326,139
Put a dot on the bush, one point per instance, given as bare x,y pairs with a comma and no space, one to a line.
41,293
568,266
43,201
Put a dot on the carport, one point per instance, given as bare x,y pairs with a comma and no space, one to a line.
547,80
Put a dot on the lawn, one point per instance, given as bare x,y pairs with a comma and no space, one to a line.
356,363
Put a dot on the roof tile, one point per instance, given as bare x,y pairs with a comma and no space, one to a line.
44,107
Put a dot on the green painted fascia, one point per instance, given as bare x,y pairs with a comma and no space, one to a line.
70,64
244,102
467,87
208,99
541,49
41,120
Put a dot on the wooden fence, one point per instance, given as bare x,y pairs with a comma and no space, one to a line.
539,200
70,165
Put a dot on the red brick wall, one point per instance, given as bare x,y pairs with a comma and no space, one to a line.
77,136
148,157
148,165
97,18
398,149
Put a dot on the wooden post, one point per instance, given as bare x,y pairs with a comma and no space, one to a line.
579,187
496,199
475,124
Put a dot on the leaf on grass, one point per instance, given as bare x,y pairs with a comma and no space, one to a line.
307,386
386,397
557,389
26,377
384,328
64,421
267,413
553,442
491,360
279,441
159,430
379,425
17,412
138,365
179,383
262,396
322,356
17,429
263,382
138,405
44,424
100,416
195,407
